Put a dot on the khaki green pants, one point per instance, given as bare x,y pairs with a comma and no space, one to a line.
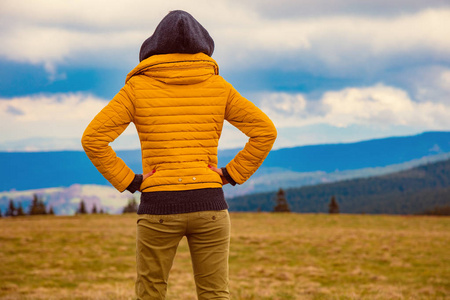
208,236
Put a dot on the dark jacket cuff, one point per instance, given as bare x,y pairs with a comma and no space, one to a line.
136,183
228,177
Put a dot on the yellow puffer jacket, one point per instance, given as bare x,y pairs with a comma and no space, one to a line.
178,103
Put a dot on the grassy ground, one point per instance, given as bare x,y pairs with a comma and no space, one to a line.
273,256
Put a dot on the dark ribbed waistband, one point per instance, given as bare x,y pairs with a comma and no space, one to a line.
178,202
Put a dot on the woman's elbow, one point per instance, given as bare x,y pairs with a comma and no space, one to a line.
272,132
266,136
87,142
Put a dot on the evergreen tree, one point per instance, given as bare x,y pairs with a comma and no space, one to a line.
282,204
82,209
41,207
11,212
333,207
20,211
438,211
131,207
37,206
50,211
101,210
34,205
94,209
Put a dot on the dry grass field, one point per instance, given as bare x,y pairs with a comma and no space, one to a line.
273,256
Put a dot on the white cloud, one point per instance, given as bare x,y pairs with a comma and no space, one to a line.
312,8
54,108
424,83
444,81
343,39
44,122
90,32
56,122
99,32
286,104
51,46
377,106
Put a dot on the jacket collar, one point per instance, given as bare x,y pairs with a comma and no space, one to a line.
177,68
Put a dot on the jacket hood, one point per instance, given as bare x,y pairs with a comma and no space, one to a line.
177,68
178,32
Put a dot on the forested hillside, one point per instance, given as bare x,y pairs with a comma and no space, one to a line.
406,192
311,164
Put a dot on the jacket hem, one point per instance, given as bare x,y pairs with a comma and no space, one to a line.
178,202
181,186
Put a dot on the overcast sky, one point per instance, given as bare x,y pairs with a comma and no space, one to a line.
324,71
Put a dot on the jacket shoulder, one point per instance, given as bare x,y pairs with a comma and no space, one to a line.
222,83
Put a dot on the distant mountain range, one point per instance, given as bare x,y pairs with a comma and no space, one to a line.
412,191
365,154
64,178
407,192
289,167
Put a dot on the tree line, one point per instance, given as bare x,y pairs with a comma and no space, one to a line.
282,204
131,207
82,210
412,191
37,207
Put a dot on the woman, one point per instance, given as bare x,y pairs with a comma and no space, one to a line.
178,103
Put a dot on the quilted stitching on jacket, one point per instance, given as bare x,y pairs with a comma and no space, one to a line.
178,103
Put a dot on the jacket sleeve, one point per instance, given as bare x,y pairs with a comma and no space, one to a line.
107,125
250,120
